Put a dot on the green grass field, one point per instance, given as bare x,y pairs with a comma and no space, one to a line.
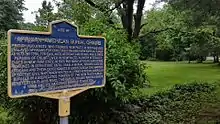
164,75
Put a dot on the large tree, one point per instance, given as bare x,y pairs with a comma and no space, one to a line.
174,35
170,31
10,13
130,20
45,14
111,10
204,13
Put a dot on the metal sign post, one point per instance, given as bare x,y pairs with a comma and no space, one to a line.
58,64
64,120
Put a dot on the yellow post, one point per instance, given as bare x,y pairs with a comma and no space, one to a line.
64,107
64,102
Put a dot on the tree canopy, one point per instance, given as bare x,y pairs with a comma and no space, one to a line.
10,13
111,10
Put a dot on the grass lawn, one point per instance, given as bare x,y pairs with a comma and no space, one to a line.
163,75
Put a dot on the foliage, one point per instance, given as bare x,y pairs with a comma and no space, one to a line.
167,29
45,14
148,47
5,117
111,10
175,32
196,22
125,74
181,104
32,27
199,11
69,9
175,38
10,13
121,56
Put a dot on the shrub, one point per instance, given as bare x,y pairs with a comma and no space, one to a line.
181,104
148,45
152,59
3,77
164,54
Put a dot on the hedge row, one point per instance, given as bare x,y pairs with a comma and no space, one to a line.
181,104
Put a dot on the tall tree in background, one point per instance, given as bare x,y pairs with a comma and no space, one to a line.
76,10
10,13
124,9
203,13
130,20
200,10
45,14
176,37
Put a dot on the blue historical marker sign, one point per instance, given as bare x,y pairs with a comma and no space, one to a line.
43,62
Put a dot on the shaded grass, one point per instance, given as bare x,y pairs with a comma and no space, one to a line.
164,75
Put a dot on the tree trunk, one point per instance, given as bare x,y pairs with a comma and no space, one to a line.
200,59
137,18
129,15
214,59
189,57
217,59
126,13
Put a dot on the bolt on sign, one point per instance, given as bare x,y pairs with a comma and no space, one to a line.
56,64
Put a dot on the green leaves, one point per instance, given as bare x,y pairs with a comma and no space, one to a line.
181,104
10,14
125,75
124,71
172,31
168,30
45,14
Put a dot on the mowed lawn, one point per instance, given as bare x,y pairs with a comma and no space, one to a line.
164,75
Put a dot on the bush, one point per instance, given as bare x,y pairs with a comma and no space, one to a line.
147,47
125,73
3,77
164,54
181,104
152,59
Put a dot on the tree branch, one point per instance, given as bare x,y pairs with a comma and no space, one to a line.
116,5
100,8
143,25
195,4
122,14
91,3
129,18
105,11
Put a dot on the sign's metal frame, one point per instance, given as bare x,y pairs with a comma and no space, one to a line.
63,95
